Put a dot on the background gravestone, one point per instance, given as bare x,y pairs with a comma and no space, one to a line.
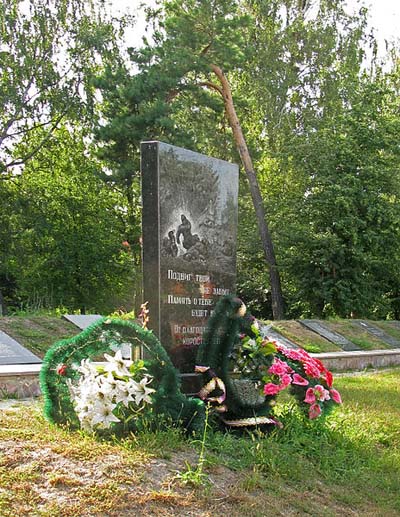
11,352
82,321
189,243
379,333
333,337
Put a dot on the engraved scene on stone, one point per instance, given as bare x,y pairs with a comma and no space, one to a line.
198,227
198,211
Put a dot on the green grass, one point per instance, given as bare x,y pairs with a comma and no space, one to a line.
347,465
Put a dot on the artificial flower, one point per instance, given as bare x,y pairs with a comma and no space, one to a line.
117,364
298,379
335,396
271,389
321,393
311,369
310,396
143,393
319,365
314,411
328,378
86,367
285,381
61,369
103,415
279,367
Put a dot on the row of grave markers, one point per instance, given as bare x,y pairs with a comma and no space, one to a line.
13,353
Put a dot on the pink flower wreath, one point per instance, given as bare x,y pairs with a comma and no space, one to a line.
307,377
279,367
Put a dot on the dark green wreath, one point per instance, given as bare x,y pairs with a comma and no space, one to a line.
104,336
243,371
238,401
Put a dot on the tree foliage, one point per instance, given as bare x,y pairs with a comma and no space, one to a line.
49,54
319,114
67,231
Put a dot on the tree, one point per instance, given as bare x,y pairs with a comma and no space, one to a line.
297,79
67,238
50,51
350,250
194,40
305,67
49,55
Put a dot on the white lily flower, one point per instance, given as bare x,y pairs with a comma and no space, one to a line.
117,364
103,415
124,397
86,367
127,392
143,394
108,386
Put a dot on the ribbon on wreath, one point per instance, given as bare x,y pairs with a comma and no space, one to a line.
215,383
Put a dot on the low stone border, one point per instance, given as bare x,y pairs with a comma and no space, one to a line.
19,380
22,380
359,360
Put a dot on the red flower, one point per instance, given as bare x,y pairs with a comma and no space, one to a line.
271,389
61,369
314,411
298,379
311,369
321,393
126,244
279,367
285,381
328,378
335,396
310,396
319,365
295,355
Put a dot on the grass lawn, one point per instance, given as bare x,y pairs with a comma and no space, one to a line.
350,466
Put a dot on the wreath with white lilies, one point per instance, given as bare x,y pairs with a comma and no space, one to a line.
86,382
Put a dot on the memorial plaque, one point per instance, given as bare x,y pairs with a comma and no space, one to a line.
270,333
189,243
378,333
333,337
11,352
82,321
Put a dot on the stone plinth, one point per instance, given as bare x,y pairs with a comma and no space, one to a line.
19,380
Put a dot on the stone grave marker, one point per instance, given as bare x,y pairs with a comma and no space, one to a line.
333,337
379,333
82,321
267,331
11,352
189,243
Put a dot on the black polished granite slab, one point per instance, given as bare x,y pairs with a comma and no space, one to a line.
189,243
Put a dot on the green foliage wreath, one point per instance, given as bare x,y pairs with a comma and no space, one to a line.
61,363
244,371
